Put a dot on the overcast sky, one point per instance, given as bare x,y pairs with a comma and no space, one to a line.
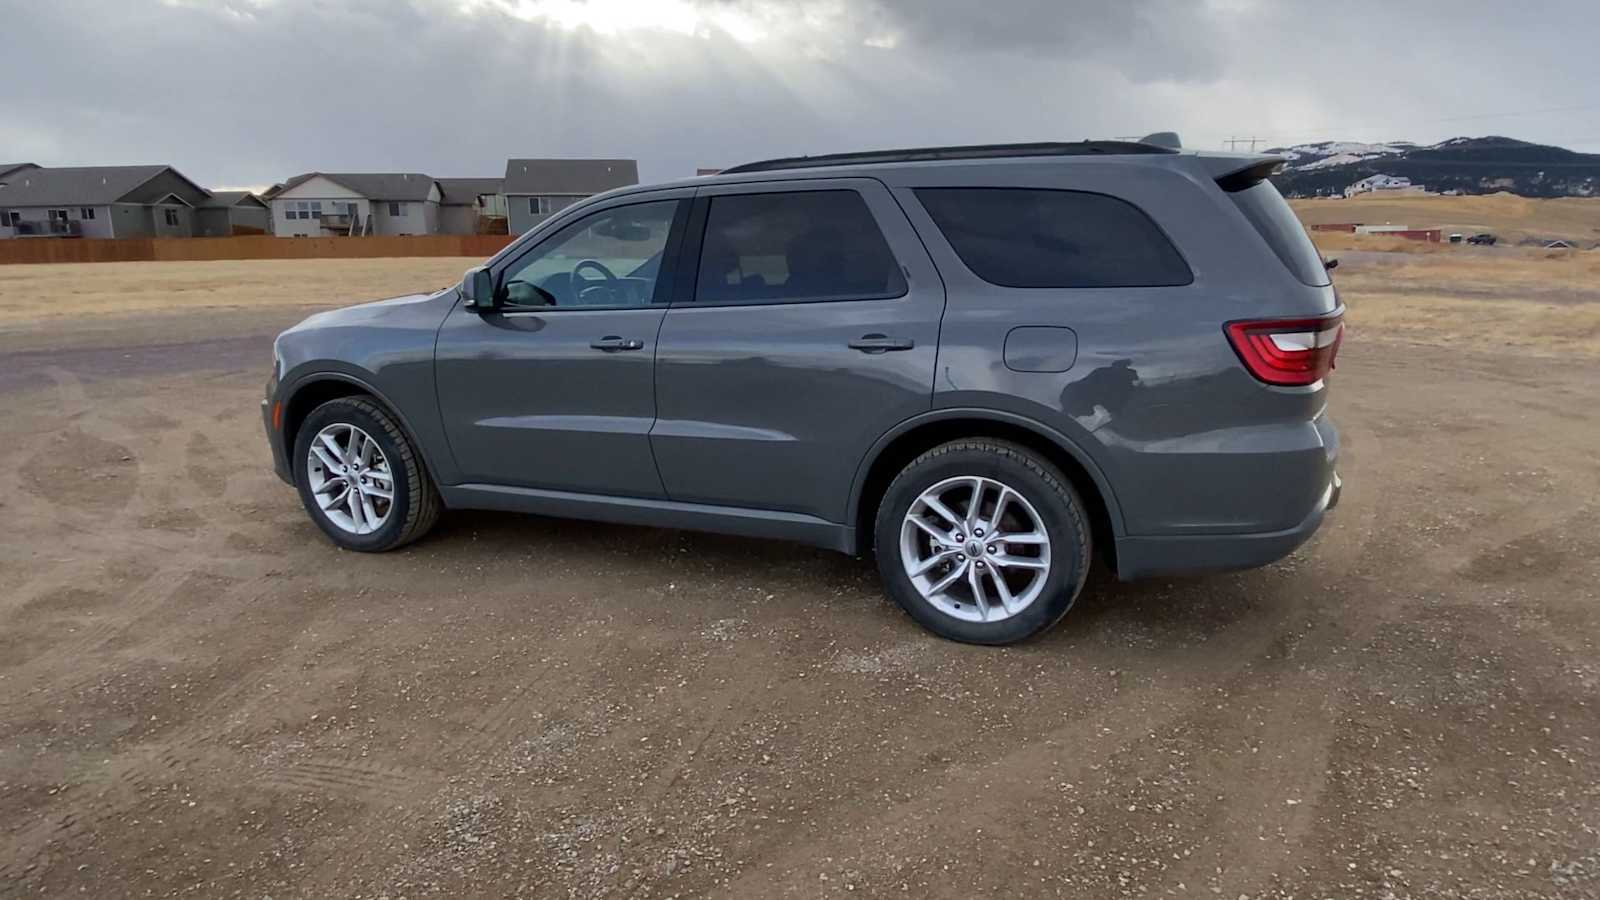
248,92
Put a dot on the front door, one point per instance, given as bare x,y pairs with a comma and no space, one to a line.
554,388
810,330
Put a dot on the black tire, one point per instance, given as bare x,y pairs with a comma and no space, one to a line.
416,501
1059,508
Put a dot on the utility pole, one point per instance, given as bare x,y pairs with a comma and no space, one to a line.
1234,142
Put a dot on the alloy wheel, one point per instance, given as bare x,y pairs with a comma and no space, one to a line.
975,549
350,478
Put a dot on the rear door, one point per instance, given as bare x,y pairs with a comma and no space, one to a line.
805,325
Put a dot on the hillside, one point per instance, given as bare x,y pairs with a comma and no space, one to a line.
1468,165
1510,217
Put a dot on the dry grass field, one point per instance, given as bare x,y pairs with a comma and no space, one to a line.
1510,217
1541,303
1545,302
30,293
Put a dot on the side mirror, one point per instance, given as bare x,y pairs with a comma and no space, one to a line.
477,286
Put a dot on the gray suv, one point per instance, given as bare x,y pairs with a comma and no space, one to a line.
984,365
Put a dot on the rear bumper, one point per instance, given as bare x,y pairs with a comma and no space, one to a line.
1145,557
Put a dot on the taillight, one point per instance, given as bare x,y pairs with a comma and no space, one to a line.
1287,351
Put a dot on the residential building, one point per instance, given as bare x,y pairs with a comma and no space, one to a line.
227,213
536,189
1385,184
472,206
98,201
318,204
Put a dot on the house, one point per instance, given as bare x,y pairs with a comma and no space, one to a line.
227,213
1398,184
535,189
472,206
317,204
98,201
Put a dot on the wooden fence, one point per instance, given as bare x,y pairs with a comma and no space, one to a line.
64,250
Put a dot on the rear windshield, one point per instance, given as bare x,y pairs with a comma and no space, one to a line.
1036,238
1270,215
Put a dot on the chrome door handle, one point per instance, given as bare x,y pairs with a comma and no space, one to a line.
878,343
612,343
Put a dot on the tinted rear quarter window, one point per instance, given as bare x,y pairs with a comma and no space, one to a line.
795,246
1271,217
1038,238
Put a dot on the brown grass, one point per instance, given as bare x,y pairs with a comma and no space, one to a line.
1532,328
1510,217
1539,303
51,290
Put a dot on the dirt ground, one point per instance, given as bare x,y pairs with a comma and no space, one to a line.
200,696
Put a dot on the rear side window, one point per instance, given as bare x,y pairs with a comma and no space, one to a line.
795,246
1033,238
1271,216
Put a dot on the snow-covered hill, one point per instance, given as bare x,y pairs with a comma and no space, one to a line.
1465,164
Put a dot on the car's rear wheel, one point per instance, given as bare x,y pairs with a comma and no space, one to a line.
360,478
982,541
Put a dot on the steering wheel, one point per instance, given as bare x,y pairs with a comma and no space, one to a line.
607,282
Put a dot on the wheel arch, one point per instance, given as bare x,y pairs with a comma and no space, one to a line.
313,389
917,435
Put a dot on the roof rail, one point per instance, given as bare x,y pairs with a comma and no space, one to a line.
974,151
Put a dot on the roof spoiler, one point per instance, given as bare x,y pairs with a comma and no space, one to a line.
1236,173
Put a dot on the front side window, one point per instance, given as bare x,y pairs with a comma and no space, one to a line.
171,216
58,215
796,246
397,209
86,212
608,258
1038,238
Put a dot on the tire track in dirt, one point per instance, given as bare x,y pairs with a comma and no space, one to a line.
351,779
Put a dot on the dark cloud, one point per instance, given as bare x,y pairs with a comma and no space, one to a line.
1145,40
251,91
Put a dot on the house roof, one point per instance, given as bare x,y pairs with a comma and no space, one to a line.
466,190
569,176
8,168
224,199
85,186
372,185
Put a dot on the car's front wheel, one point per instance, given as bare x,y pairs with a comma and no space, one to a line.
360,478
982,541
